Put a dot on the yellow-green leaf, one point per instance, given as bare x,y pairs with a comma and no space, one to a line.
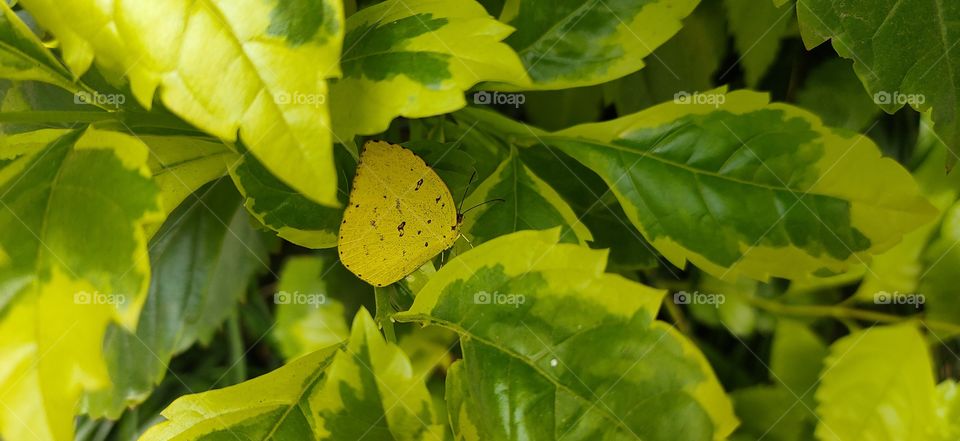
777,193
415,58
757,28
202,261
23,56
528,203
511,299
878,385
904,52
364,389
252,67
571,43
308,316
274,406
72,218
291,214
180,165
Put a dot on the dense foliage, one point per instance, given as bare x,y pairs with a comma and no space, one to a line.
708,223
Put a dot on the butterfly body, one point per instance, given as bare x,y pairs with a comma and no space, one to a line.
400,215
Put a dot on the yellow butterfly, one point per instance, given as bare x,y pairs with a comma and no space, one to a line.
400,215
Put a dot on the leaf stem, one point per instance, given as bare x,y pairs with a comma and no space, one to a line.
845,313
132,119
238,370
384,313
127,426
679,321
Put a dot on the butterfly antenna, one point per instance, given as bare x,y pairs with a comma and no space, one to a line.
465,190
483,203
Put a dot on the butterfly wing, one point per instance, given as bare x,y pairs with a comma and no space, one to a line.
400,215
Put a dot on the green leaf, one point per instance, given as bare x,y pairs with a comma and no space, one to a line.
731,311
901,51
949,409
503,298
484,149
371,392
939,279
429,348
529,203
911,262
275,406
308,317
778,193
595,206
833,92
363,390
796,359
572,43
23,56
266,82
33,100
71,227
878,384
202,260
181,164
557,109
757,28
771,413
415,59
687,62
290,213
